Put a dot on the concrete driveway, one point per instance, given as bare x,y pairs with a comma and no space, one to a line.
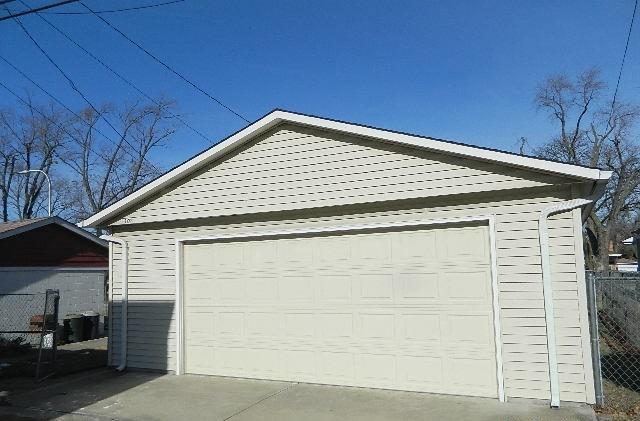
106,395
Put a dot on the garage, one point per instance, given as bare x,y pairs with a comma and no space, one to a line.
313,250
406,309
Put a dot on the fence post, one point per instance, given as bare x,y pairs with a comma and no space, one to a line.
51,301
595,339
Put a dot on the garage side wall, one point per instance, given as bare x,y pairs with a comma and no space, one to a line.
152,284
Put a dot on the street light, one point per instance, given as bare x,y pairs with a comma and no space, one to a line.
48,182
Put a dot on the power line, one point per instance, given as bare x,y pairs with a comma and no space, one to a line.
63,73
60,126
75,88
115,10
54,98
63,105
36,10
128,82
624,56
31,107
165,65
6,1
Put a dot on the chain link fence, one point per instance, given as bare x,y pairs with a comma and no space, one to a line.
614,301
28,334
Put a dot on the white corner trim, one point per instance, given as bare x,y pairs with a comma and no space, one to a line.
489,219
110,308
278,116
547,288
179,310
497,326
125,297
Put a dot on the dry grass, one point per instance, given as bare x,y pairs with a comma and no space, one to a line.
620,403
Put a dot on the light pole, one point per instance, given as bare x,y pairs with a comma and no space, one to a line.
48,182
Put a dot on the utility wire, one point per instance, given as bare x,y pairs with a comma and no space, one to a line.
60,126
165,65
6,1
54,98
115,10
36,10
128,82
75,88
31,107
63,73
62,104
624,57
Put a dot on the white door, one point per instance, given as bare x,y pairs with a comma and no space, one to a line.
408,310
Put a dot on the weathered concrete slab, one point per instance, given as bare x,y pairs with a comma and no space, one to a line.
132,396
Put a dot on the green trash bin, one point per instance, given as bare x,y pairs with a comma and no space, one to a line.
73,327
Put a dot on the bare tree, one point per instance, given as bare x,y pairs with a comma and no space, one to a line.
594,132
29,139
8,158
107,170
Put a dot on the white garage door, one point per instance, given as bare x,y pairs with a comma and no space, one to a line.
409,310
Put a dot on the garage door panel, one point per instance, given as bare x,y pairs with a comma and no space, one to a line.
334,287
396,310
229,323
376,286
301,362
338,366
412,326
294,287
472,285
377,326
260,287
418,285
336,325
474,329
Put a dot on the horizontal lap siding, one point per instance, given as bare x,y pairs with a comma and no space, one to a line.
300,169
152,288
524,326
295,169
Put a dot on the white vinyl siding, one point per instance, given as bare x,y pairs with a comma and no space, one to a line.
303,173
303,168
152,331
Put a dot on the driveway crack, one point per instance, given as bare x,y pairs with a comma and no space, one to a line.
276,393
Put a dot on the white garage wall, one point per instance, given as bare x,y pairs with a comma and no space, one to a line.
152,288
300,171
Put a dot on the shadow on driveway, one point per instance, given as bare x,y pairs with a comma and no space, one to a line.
105,394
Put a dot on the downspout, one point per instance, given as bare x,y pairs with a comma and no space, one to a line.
547,288
125,299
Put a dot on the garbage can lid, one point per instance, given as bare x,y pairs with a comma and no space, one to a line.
90,313
73,316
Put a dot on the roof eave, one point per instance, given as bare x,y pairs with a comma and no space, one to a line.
58,221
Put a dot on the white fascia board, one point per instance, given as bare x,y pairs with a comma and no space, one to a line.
278,116
452,148
181,170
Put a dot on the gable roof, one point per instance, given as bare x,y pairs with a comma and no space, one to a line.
277,117
13,228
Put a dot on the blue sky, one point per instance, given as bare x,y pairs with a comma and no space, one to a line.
460,70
